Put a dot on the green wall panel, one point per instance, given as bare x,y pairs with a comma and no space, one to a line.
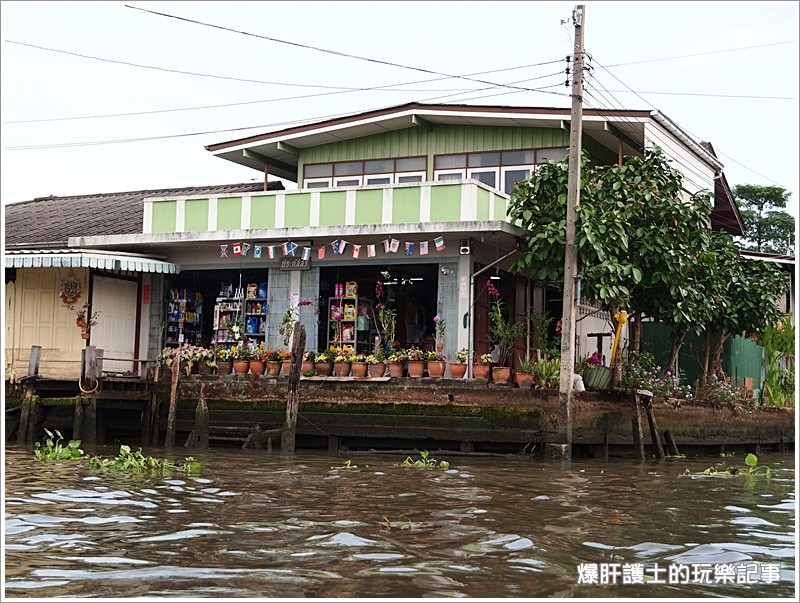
405,205
196,215
499,207
446,203
297,210
369,206
164,216
229,213
332,208
262,211
483,204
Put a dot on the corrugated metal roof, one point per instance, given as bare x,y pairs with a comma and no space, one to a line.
86,258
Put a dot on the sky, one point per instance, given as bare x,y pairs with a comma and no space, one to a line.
726,72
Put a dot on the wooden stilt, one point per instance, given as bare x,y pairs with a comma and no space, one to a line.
293,399
31,434
77,419
655,439
333,445
672,446
169,439
25,417
90,422
201,420
636,421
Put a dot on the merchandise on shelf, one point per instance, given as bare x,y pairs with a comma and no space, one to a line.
242,314
348,324
183,320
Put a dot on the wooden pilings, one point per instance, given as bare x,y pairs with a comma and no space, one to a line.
636,422
30,409
293,398
169,439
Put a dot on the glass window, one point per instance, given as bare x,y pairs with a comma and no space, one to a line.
444,162
411,164
348,168
318,183
484,159
379,166
518,157
414,178
488,177
551,154
511,177
348,182
379,179
450,176
318,170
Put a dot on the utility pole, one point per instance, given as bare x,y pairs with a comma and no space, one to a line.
564,413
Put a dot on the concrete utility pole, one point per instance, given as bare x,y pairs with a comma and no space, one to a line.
564,413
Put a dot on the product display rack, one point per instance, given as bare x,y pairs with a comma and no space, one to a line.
183,322
244,307
354,324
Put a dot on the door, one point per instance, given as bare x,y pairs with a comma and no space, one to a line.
115,331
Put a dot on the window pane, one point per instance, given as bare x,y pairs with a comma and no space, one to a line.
551,154
451,176
518,158
379,180
347,168
489,178
319,170
512,177
445,162
484,159
411,164
379,166
348,182
322,184
416,178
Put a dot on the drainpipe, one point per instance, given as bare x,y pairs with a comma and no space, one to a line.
468,315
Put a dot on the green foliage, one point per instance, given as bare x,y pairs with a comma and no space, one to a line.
52,449
136,462
348,464
778,342
425,461
527,364
768,229
721,393
547,373
752,468
642,372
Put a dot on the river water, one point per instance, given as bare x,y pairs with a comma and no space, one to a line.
262,525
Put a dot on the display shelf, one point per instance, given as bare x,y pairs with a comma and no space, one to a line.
354,332
183,320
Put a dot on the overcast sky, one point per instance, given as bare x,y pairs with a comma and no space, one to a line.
54,104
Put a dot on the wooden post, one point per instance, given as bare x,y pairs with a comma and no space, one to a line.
169,440
33,363
151,425
293,399
24,417
638,440
651,421
201,420
27,417
89,377
77,419
672,446
90,422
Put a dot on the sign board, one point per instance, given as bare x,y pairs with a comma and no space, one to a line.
290,263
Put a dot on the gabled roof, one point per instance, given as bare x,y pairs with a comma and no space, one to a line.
50,221
725,215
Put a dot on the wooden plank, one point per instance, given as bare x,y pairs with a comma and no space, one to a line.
169,439
77,419
201,419
638,439
33,363
655,439
293,399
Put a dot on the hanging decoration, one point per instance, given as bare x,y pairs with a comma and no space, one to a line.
223,251
70,290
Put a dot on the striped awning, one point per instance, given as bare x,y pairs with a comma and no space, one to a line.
86,258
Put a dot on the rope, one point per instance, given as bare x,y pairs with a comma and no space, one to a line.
89,391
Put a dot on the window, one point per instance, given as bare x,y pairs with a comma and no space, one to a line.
318,183
488,177
444,162
382,179
513,175
410,178
370,171
459,175
347,181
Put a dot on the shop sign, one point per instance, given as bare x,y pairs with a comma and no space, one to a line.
289,263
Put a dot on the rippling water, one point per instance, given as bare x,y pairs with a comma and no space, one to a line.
255,524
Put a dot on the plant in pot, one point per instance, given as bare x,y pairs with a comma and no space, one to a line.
241,359
440,329
416,362
323,364
482,367
224,360
526,372
595,374
459,368
86,319
204,360
436,363
548,373
291,316
502,333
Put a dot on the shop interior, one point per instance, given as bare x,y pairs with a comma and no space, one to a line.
411,289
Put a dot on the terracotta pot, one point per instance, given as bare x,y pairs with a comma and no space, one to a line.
324,369
204,369
257,367
524,380
359,369
481,371
286,367
341,369
241,367
416,368
395,369
224,367
458,370
84,334
378,369
501,374
436,368
273,368
305,368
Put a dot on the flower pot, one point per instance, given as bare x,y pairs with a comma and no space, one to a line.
524,380
257,367
395,369
341,369
378,369
273,368
359,369
324,369
458,370
416,368
224,367
436,369
204,369
597,377
481,371
286,367
305,369
501,374
84,334
241,367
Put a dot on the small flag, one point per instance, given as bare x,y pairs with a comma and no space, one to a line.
386,245
321,253
257,252
439,242
395,245
306,254
342,245
409,248
271,252
423,247
370,251
223,251
356,251
335,247
245,248
289,248
237,249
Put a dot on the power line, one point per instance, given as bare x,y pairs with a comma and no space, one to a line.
709,95
326,50
698,54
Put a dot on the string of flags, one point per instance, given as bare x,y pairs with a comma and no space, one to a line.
338,247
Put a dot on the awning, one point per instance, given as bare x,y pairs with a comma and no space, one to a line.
85,258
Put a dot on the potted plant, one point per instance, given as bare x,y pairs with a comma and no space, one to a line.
416,362
286,361
547,373
524,376
440,328
323,364
387,316
481,367
459,368
241,359
223,359
291,316
436,363
341,363
396,360
359,365
204,360
502,334
596,375
86,319
307,368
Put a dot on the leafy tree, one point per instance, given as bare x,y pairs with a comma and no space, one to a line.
767,228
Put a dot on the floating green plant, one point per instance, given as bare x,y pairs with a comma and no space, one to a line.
752,468
425,461
52,449
137,462
348,464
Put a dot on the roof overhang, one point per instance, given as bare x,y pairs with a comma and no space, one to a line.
84,258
